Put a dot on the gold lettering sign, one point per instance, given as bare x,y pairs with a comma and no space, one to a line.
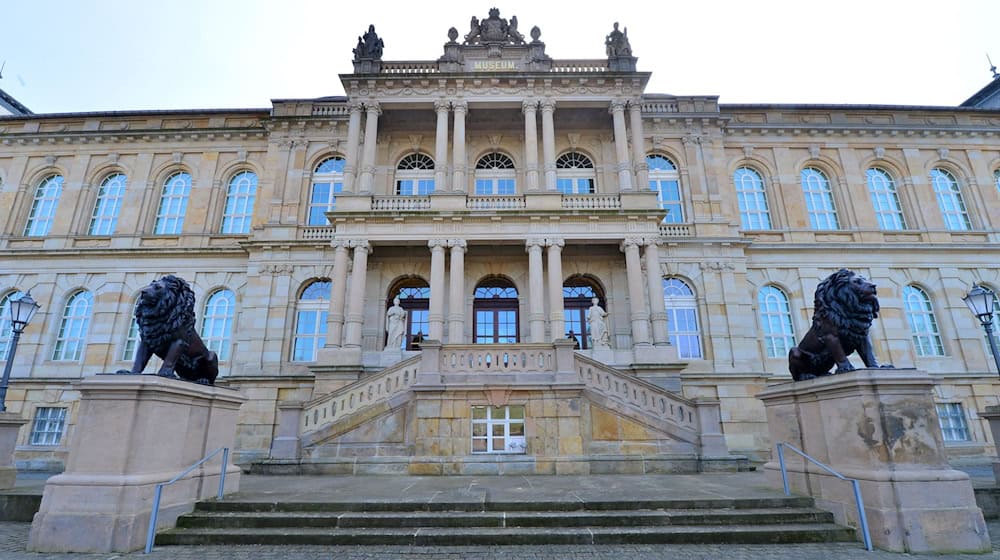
493,66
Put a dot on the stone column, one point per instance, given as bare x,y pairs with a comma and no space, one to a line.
456,299
557,323
441,145
356,309
530,108
621,146
368,158
458,161
435,314
536,299
549,145
353,141
638,145
658,311
637,307
338,295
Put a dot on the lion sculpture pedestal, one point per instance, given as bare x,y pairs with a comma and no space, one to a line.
132,433
880,427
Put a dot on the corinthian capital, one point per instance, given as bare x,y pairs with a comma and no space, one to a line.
460,106
529,106
442,105
532,242
361,245
617,106
556,242
630,242
373,107
547,105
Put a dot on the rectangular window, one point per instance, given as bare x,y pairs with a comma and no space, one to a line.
952,420
498,429
48,426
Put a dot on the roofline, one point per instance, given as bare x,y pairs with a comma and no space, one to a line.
982,94
851,107
145,113
13,105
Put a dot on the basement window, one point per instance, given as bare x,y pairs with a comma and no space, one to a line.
498,429
48,426
951,417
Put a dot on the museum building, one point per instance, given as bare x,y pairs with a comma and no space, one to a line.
498,262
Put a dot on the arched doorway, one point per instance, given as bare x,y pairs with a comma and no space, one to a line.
495,312
578,290
414,296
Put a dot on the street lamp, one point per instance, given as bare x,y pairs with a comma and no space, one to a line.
980,301
21,311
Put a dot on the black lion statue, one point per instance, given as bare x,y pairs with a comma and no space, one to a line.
165,315
845,306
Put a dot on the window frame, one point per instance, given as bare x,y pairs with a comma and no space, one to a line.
415,175
217,322
131,336
575,308
674,303
575,173
924,330
495,175
953,422
45,418
775,345
662,181
414,296
885,199
72,347
494,306
236,220
170,217
108,204
44,206
316,338
758,194
316,208
957,219
821,208
507,424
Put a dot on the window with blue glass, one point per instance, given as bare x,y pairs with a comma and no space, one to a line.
310,320
752,199
108,205
415,175
495,175
819,199
327,183
495,312
240,197
682,318
575,174
43,207
665,180
173,204
950,200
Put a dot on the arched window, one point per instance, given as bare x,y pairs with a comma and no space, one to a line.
923,325
577,293
327,181
885,199
682,318
43,208
664,179
415,175
819,199
776,322
495,307
996,178
415,297
575,174
752,199
132,337
72,335
108,205
173,204
495,175
5,325
310,320
240,198
217,323
950,201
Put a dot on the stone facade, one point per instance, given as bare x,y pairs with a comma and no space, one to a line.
462,224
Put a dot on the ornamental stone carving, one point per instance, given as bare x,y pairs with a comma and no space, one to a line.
619,51
494,30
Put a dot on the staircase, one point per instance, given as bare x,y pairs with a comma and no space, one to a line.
751,520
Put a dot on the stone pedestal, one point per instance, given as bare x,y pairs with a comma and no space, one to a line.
133,432
992,415
10,425
881,428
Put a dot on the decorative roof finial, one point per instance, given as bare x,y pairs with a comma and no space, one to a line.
993,67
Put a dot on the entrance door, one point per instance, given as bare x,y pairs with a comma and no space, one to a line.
495,307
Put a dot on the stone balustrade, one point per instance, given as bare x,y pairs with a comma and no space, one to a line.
591,202
330,110
675,230
359,395
492,358
409,67
320,233
580,65
660,107
638,394
398,203
497,202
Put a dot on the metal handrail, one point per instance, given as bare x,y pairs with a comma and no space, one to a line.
159,491
863,519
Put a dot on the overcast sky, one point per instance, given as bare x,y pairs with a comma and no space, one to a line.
96,55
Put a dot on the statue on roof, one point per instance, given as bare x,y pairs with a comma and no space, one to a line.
369,46
494,30
617,44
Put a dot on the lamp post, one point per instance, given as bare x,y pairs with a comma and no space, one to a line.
21,312
980,301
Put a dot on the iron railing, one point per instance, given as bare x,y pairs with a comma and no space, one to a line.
862,518
159,491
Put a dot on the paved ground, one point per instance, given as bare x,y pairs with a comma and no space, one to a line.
13,536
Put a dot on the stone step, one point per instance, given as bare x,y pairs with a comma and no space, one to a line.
618,518
483,505
472,536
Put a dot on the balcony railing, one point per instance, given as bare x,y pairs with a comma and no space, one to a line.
398,203
497,202
592,202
